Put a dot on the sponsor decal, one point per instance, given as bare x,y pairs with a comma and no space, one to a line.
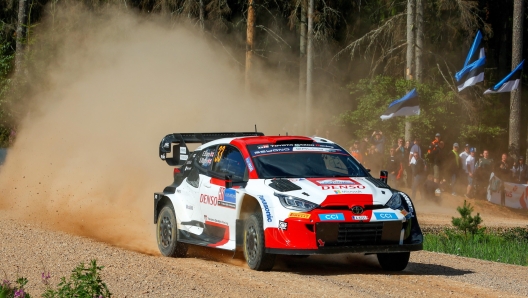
222,200
178,190
204,161
404,212
166,145
162,156
183,150
299,215
296,179
331,216
189,207
230,195
315,149
336,182
227,198
276,150
249,164
321,242
263,147
342,192
209,200
207,218
184,157
333,181
385,215
326,187
283,225
269,218
360,217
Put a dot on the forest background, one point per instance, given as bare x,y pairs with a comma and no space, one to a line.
360,60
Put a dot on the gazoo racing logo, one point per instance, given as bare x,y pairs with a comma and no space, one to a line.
336,182
269,218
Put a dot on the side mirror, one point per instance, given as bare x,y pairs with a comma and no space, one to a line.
368,170
383,176
228,181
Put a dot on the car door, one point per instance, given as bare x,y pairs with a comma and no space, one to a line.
219,208
190,189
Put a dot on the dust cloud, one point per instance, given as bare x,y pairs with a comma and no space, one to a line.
86,157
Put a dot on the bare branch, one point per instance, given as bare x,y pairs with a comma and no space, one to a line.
371,37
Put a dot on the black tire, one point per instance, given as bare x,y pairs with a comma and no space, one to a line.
167,234
254,249
396,261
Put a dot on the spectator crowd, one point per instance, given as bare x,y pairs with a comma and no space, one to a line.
436,167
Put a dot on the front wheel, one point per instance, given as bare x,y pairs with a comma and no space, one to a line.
167,234
254,249
396,261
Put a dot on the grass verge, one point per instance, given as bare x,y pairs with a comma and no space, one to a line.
506,246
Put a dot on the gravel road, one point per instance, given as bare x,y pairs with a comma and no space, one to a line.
29,249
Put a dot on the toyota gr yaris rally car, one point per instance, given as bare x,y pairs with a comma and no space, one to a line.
279,195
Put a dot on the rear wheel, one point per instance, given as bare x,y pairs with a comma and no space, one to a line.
396,261
254,249
167,234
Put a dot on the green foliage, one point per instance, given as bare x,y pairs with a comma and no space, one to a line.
371,97
516,234
467,223
14,291
6,64
83,282
506,247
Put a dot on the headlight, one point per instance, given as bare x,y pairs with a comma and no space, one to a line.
295,203
395,202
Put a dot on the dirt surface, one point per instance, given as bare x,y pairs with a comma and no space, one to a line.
438,212
30,249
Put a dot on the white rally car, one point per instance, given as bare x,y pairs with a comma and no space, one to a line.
279,195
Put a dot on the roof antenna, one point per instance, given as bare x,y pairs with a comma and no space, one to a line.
255,128
286,133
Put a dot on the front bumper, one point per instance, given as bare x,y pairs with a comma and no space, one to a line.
304,236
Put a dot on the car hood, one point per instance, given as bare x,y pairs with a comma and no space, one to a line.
332,191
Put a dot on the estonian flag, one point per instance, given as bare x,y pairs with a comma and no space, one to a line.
509,83
406,106
472,73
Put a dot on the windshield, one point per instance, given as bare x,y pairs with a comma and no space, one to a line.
304,161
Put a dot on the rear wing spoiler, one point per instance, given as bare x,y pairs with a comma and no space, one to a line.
177,144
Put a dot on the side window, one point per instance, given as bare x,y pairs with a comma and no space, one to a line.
206,158
194,178
229,161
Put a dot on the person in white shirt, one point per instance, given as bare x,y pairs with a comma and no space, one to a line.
470,170
463,157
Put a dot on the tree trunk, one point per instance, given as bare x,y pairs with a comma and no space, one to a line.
302,66
410,57
309,71
20,34
250,35
515,96
419,41
201,14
